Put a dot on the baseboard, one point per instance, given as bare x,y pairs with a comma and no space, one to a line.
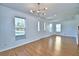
23,43
66,35
16,46
69,36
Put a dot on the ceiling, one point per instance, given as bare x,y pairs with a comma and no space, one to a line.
54,11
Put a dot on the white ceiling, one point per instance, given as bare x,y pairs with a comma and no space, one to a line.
54,11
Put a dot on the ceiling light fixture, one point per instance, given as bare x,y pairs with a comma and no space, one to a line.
39,10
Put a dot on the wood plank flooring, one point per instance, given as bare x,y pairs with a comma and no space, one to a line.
50,46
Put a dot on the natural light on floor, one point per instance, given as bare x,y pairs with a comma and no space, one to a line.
58,44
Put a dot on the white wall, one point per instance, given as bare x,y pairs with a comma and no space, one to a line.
7,33
69,26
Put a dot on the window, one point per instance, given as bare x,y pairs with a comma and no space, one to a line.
50,27
58,27
19,26
38,26
44,26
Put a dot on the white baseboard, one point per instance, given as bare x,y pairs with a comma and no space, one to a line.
69,36
16,46
65,35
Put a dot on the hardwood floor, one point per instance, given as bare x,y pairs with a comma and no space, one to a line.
50,46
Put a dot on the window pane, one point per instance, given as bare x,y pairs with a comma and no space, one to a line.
38,26
19,26
50,28
44,26
58,27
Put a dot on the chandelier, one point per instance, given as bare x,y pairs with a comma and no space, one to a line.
38,10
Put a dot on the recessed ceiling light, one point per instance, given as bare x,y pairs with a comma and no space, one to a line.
31,11
55,15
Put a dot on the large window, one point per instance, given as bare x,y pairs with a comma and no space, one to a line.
50,27
44,26
58,27
19,26
38,26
